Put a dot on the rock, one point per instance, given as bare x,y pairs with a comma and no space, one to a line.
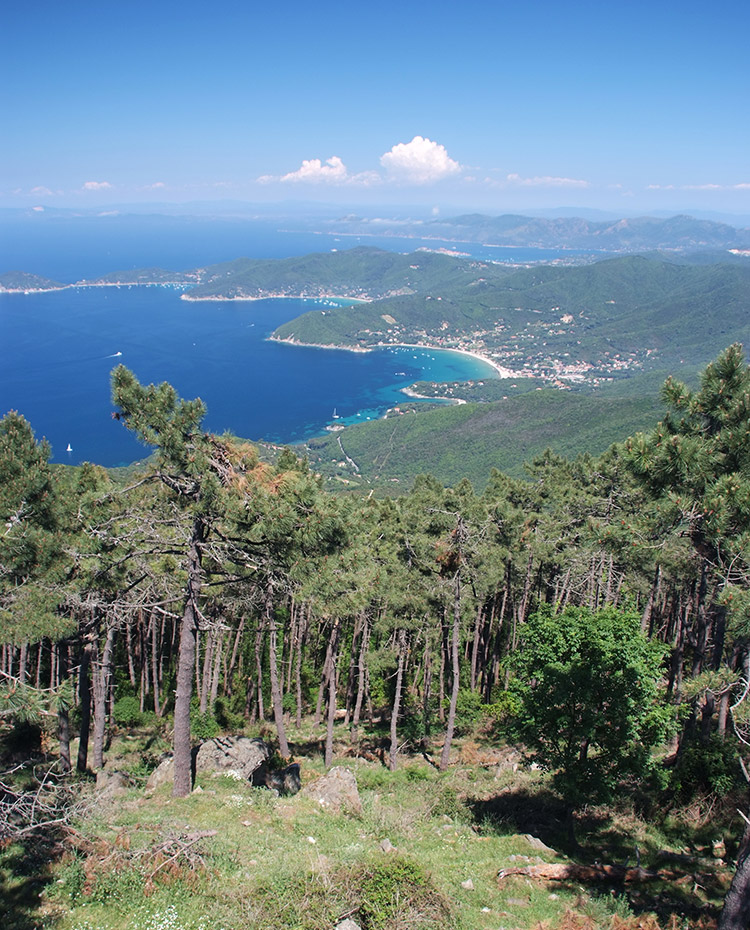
163,774
348,924
111,784
336,791
387,846
536,843
232,753
468,884
285,781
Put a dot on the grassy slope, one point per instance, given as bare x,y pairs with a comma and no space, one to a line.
471,439
286,863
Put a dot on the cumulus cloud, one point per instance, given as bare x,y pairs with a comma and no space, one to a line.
420,161
315,171
545,181
96,186
42,191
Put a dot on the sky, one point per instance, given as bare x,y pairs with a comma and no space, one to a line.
631,107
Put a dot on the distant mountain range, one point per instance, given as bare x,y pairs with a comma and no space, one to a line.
633,234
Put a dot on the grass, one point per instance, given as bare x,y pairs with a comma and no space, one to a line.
268,862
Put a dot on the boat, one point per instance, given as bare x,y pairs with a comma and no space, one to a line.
70,448
335,415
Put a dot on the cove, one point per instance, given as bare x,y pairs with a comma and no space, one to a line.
57,351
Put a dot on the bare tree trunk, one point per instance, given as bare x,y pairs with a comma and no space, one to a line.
446,753
349,701
183,774
155,663
361,679
331,695
84,698
427,694
216,674
393,754
228,689
475,648
301,640
63,716
735,914
324,682
102,674
276,698
204,682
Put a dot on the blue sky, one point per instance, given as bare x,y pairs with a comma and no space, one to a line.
635,106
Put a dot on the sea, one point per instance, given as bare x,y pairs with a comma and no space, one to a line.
57,349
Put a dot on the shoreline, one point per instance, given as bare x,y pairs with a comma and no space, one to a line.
502,372
355,300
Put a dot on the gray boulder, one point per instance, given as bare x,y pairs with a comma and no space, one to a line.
336,791
163,774
232,753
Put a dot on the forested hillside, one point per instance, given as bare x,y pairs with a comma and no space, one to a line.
595,612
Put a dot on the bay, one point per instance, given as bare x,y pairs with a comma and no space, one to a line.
58,349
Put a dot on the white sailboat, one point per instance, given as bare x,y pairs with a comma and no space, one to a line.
70,448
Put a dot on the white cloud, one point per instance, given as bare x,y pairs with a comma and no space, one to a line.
545,181
96,186
420,161
314,171
43,191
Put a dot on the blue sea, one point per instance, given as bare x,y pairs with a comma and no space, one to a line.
57,349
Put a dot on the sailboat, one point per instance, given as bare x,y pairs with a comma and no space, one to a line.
70,448
335,415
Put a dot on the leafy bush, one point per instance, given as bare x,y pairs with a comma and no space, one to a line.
126,711
469,710
204,726
713,766
398,892
226,718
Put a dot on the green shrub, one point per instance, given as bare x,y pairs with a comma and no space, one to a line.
469,710
713,766
203,726
126,711
398,892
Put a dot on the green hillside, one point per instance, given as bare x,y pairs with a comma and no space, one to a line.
469,440
651,312
364,273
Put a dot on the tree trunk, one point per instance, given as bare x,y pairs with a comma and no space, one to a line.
393,754
361,679
63,716
101,690
183,768
276,698
301,640
446,753
735,914
155,663
84,699
331,695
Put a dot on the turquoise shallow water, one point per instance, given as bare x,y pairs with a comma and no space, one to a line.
57,351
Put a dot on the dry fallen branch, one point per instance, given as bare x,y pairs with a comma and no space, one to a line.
588,873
